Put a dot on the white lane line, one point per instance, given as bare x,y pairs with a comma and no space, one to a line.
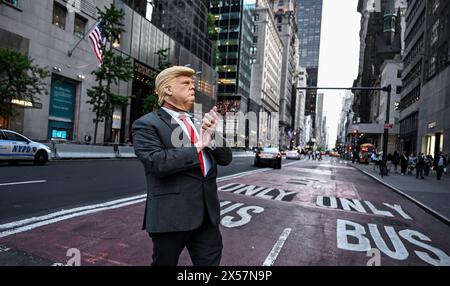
23,183
58,219
239,175
270,260
4,249
34,222
66,212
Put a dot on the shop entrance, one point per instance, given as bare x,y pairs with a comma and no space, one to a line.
435,144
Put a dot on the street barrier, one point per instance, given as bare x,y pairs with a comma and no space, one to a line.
73,151
126,152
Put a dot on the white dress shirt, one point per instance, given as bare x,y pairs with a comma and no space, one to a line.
207,164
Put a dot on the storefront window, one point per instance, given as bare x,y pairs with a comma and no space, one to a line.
59,16
79,27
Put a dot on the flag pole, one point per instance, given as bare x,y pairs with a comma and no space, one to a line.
70,53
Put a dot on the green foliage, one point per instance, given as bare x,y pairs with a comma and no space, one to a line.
20,79
151,101
114,68
211,25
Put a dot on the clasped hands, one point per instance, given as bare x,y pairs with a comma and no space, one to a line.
209,125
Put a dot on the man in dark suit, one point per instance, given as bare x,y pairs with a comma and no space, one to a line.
180,161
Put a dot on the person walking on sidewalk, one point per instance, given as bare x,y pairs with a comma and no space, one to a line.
440,162
412,161
428,165
420,166
395,161
180,159
403,163
374,159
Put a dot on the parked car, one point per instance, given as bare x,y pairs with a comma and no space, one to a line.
268,156
293,155
15,147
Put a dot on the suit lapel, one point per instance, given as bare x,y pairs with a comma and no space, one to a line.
173,125
167,119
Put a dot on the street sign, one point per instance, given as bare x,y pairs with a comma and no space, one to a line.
388,126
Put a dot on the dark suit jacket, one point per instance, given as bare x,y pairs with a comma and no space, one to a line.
177,191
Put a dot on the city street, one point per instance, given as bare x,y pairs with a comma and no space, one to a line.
307,213
27,190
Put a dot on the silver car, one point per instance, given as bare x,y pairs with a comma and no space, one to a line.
292,155
15,148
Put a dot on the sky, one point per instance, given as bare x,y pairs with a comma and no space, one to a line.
339,56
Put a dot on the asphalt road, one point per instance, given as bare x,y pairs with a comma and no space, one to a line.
308,213
69,184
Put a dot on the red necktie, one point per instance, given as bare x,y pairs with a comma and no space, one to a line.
193,140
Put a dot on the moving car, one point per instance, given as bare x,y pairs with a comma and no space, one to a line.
268,156
292,155
15,148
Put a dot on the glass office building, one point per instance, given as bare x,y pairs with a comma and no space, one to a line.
309,20
185,21
233,51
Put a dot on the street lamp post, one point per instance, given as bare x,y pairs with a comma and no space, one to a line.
387,89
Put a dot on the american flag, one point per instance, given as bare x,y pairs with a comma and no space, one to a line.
98,40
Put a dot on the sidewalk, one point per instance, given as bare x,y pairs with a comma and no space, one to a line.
431,193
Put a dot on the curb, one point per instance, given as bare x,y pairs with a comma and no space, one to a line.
427,209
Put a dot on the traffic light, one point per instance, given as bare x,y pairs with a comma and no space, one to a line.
355,132
397,105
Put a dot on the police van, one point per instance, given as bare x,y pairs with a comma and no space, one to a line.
15,148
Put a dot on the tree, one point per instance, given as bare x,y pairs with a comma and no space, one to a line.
114,68
151,101
20,80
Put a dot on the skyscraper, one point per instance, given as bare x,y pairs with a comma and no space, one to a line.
233,53
187,23
309,20
284,12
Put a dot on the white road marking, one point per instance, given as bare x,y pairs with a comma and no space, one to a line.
23,183
35,222
270,260
66,217
4,249
66,212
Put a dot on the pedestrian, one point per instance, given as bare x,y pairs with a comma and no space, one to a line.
412,161
420,166
428,163
374,159
440,163
445,169
395,161
403,163
182,208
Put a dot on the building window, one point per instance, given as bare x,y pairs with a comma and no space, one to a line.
79,26
399,89
59,16
435,5
432,68
435,32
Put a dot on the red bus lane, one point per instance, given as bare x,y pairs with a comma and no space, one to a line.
308,213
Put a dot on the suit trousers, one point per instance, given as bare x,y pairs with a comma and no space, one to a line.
203,244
